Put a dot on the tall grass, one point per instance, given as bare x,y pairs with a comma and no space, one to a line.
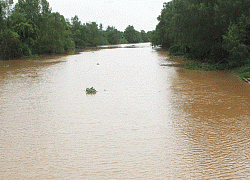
244,71
205,66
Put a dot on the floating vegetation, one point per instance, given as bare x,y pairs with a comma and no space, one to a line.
6,65
131,46
91,90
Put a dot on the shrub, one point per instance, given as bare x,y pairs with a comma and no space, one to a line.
243,69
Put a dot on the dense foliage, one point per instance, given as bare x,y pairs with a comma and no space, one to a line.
212,31
30,27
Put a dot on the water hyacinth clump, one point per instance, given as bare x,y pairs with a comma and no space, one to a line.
90,90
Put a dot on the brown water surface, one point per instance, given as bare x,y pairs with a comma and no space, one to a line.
146,121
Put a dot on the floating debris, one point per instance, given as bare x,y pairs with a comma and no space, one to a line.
169,64
91,90
247,80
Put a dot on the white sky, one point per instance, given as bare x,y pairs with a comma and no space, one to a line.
142,14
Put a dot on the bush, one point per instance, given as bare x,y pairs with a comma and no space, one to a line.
243,69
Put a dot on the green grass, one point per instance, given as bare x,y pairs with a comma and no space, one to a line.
205,66
244,71
245,75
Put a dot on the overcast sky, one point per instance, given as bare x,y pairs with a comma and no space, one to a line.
142,14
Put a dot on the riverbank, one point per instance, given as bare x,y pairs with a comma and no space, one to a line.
53,55
77,51
242,72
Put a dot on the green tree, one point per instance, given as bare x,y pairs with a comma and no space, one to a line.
33,9
198,27
78,33
150,35
10,45
237,42
54,36
101,27
131,35
162,34
94,35
144,36
28,34
113,35
5,10
16,18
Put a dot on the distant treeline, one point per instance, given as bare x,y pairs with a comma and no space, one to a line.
31,28
211,31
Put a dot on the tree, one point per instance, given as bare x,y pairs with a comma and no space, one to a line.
162,34
28,34
5,9
113,35
31,28
132,35
78,33
10,45
198,28
33,9
150,35
144,36
54,36
237,42
100,27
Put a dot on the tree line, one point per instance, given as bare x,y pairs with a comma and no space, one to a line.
211,31
30,27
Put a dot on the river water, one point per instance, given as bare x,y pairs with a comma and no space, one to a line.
146,121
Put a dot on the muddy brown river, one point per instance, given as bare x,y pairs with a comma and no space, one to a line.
146,121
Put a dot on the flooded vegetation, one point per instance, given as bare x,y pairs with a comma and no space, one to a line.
147,121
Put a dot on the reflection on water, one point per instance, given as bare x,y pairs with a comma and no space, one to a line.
146,121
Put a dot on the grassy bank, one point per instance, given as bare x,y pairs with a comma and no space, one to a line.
243,72
190,64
